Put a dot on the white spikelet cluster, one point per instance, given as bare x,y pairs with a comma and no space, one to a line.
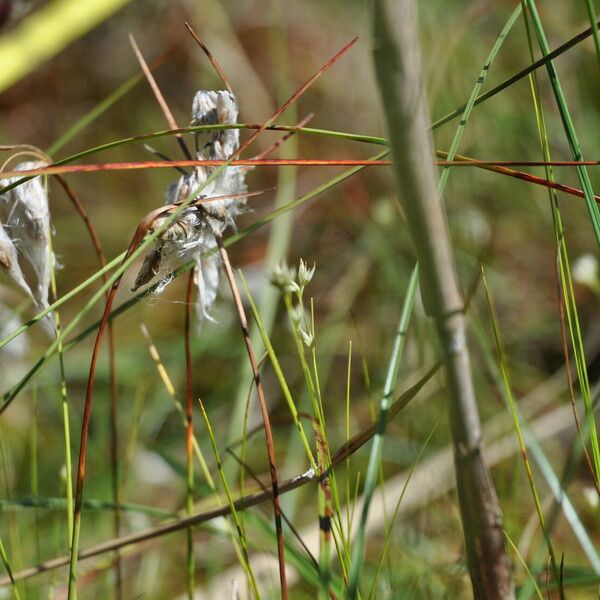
192,234
24,234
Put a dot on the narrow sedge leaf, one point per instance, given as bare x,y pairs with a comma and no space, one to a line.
586,184
507,387
376,449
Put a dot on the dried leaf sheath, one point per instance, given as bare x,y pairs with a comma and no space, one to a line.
192,235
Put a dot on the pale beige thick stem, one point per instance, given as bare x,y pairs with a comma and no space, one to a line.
398,66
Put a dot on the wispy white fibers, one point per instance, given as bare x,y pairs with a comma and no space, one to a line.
26,217
207,281
10,262
192,234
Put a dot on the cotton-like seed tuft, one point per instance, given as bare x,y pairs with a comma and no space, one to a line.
26,217
192,236
10,263
207,281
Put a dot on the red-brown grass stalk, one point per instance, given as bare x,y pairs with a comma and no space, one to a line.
139,235
494,166
264,412
159,97
112,367
211,58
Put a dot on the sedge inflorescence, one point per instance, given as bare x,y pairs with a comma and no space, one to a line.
193,234
25,235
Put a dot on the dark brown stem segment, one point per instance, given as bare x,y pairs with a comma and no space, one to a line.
398,66
264,411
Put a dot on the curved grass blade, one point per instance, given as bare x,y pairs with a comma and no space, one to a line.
376,449
569,128
10,395
545,60
390,526
46,32
507,389
243,503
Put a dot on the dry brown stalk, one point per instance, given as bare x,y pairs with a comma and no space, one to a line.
398,66
263,409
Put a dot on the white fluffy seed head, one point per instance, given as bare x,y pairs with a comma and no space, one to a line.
192,235
212,108
25,213
208,108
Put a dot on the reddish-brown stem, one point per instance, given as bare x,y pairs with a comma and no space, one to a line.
466,161
85,424
463,161
114,398
188,366
264,411
87,409
296,95
275,145
159,97
211,58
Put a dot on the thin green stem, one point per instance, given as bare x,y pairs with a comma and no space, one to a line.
565,115
376,449
278,372
504,371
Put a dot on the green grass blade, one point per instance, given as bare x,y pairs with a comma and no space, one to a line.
586,184
521,560
375,455
474,94
46,32
94,113
507,388
564,275
591,12
517,76
390,526
234,513
279,373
